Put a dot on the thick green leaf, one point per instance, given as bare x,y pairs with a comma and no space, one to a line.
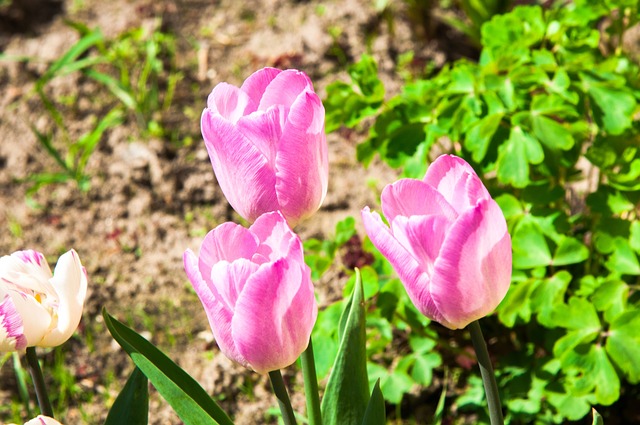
190,401
515,155
132,404
623,344
347,393
375,413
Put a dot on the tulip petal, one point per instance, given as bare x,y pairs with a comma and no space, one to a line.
456,180
228,242
302,163
70,282
277,240
242,170
473,272
12,337
284,89
229,102
229,279
274,316
422,236
409,197
218,315
409,270
264,129
36,320
257,83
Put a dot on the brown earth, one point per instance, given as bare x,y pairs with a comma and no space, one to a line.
151,198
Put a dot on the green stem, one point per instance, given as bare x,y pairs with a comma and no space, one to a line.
311,386
283,398
38,382
486,370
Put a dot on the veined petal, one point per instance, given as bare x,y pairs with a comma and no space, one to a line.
243,172
228,242
70,282
302,162
36,320
416,281
275,236
257,83
454,178
274,316
409,197
473,272
218,315
229,279
422,236
229,102
264,130
12,337
284,89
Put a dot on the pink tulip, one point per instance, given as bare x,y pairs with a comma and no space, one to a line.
256,290
36,307
267,144
448,242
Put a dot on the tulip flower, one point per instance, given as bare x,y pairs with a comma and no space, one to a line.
41,420
447,241
38,308
256,290
267,144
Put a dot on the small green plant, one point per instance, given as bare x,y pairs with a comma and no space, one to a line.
549,118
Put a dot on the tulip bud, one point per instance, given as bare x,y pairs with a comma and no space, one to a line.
41,420
256,290
38,309
447,241
267,144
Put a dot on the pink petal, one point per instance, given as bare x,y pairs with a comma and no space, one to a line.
275,315
257,83
228,280
36,320
31,256
473,272
12,337
454,178
277,240
409,197
219,316
229,102
302,162
415,279
264,130
243,172
285,88
228,242
70,282
422,236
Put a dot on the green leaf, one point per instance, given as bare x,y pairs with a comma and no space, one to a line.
611,297
551,133
479,136
616,108
423,365
570,251
375,413
114,86
623,344
623,260
395,386
530,248
515,155
69,58
516,302
578,313
189,400
347,393
132,404
548,295
597,418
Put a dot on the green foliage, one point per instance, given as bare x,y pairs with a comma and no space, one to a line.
132,404
548,118
144,65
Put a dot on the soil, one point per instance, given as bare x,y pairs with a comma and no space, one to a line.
150,198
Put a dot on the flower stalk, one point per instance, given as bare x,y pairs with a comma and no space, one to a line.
486,370
38,382
311,386
280,390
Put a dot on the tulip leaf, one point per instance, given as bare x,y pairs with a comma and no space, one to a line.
347,393
375,413
190,401
597,418
132,404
